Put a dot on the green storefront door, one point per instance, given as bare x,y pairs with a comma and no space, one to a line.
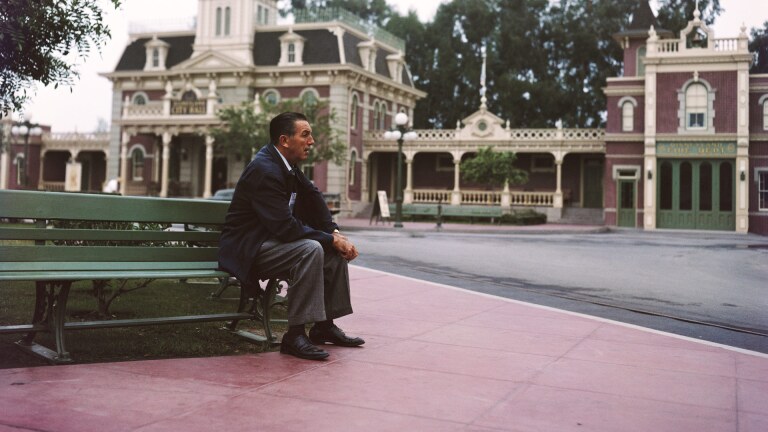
696,194
626,201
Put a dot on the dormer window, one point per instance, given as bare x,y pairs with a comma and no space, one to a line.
156,53
367,52
291,49
395,63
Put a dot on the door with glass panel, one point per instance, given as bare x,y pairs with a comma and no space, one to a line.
696,194
626,209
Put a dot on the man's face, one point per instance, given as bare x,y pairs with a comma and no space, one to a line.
296,147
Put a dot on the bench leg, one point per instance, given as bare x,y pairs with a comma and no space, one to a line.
49,315
223,284
258,302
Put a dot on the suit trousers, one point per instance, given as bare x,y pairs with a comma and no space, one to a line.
318,280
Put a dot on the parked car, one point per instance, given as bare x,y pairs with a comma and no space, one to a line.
223,195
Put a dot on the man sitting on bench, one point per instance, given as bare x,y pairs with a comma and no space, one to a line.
279,224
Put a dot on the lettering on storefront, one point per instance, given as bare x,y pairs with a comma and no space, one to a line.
188,107
696,149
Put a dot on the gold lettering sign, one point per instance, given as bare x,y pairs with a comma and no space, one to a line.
696,149
188,107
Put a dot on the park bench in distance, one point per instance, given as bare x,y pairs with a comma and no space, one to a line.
33,247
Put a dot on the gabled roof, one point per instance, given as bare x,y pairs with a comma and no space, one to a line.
642,20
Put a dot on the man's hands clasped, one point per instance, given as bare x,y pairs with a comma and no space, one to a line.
344,247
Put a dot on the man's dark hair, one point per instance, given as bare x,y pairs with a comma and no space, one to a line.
284,124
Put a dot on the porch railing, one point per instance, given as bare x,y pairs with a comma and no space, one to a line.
52,186
491,198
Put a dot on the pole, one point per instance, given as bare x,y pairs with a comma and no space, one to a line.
26,159
399,192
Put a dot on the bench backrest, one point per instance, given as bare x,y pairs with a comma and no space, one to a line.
74,231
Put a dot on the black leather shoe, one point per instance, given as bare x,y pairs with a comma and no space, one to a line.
301,347
333,335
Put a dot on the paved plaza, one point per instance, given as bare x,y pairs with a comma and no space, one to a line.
437,358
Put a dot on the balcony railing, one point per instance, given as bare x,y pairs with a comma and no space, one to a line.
352,20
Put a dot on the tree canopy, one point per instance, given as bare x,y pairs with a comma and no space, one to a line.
493,169
244,130
40,41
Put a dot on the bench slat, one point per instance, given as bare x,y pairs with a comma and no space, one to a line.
105,235
111,274
106,253
104,266
76,206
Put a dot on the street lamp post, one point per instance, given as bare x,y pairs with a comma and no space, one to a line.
400,133
26,129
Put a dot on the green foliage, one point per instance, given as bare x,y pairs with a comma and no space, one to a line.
524,217
758,44
675,14
493,168
40,41
244,132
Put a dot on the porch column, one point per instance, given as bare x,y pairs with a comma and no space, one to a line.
364,179
166,163
208,166
408,197
124,162
558,198
73,173
456,194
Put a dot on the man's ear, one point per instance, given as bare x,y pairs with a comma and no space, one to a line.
283,140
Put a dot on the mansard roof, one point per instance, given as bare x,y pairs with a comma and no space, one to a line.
320,48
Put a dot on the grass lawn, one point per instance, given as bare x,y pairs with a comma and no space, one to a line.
160,298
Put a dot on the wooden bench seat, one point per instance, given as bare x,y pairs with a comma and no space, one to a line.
55,238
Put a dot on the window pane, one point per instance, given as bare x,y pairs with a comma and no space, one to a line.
726,187
705,186
762,189
686,186
627,195
765,115
665,190
627,114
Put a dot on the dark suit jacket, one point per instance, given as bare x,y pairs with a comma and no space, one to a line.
259,211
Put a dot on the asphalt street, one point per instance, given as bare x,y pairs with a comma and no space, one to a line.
711,286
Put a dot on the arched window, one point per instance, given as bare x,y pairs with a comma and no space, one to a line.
309,97
627,117
383,115
188,96
696,106
137,164
353,112
155,57
271,97
375,115
352,166
218,21
227,19
139,99
291,53
641,61
765,115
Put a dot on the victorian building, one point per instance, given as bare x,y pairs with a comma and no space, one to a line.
170,84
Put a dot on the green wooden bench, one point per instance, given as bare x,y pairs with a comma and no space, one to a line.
466,211
43,246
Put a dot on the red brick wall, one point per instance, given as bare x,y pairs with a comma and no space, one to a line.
756,112
723,83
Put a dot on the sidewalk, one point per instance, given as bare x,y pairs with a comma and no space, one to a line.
436,358
363,224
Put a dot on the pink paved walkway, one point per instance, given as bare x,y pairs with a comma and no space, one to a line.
436,359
